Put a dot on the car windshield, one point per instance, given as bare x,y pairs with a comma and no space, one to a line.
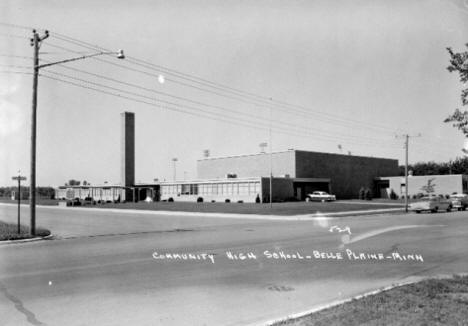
428,198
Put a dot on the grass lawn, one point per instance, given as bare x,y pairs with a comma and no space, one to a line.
9,231
289,208
39,201
430,302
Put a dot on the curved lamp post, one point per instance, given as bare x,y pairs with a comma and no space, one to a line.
36,42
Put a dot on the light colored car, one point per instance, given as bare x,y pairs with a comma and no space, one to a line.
459,201
432,204
320,196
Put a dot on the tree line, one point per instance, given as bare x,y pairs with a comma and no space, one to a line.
458,166
44,192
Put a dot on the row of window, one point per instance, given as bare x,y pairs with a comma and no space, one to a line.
231,188
91,192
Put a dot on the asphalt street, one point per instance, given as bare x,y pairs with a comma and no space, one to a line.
127,268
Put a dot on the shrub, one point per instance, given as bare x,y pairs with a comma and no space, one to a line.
368,194
171,200
200,200
362,193
240,201
393,195
227,200
257,199
213,201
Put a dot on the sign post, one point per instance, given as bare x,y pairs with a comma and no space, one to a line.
19,178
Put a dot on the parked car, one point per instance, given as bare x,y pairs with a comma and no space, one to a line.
320,196
459,201
432,204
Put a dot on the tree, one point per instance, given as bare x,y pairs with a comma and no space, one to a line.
459,63
73,182
430,187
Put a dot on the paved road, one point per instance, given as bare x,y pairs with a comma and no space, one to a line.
101,269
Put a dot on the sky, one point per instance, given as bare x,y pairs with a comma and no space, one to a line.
328,76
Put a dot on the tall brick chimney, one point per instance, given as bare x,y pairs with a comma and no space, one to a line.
127,150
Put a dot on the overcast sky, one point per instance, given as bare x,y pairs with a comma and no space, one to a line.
332,74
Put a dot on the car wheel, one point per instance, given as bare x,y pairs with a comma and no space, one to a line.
418,212
449,209
307,199
434,210
464,208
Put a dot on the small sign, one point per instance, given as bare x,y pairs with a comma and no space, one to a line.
19,178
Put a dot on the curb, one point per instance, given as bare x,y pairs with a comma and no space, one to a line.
332,304
48,237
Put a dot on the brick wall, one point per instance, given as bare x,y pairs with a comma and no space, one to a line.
347,173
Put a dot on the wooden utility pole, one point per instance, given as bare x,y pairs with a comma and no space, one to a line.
36,43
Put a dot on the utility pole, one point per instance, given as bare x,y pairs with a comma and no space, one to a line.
407,137
36,43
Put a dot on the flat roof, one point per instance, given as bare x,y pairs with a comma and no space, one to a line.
289,151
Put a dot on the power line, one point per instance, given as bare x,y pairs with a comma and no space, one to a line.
16,66
206,114
333,121
192,101
13,36
17,26
259,118
16,72
148,65
264,100
15,56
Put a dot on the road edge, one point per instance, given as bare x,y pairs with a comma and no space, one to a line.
5,242
335,303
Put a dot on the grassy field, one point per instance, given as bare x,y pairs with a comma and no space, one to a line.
39,201
430,302
9,231
289,208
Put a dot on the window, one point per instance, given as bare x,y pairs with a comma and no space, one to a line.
243,188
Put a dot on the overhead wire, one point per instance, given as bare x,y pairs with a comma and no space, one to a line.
172,106
191,78
261,118
265,102
122,66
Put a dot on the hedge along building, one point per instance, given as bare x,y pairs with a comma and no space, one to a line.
422,184
295,174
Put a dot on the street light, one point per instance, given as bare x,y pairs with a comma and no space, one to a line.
36,42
